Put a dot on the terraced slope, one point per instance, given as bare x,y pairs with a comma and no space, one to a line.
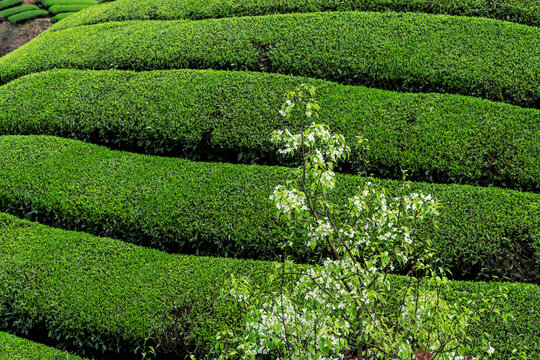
15,348
522,11
107,298
106,293
407,52
224,210
209,115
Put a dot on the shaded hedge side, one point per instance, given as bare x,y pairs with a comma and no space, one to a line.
397,51
223,210
104,294
525,11
229,116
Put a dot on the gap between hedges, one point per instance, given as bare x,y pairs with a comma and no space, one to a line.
223,209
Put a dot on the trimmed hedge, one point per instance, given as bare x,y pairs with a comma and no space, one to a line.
4,4
58,9
16,348
102,293
18,9
407,52
49,3
61,16
224,210
209,115
27,15
526,11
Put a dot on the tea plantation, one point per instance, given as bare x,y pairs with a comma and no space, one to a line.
136,163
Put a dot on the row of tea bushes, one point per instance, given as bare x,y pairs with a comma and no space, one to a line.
209,115
16,348
222,209
16,10
525,12
408,52
105,294
5,4
27,16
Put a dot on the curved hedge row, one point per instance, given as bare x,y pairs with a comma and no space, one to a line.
61,16
525,12
223,210
101,292
27,15
16,348
407,52
209,115
58,9
17,9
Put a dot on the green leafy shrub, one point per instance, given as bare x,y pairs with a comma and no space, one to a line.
57,9
102,293
61,16
16,348
525,12
18,9
223,210
49,3
436,137
405,52
27,16
4,4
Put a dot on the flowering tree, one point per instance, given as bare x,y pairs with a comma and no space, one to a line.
349,307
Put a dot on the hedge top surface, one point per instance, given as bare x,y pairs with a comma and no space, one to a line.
408,52
524,11
16,348
207,114
224,209
118,294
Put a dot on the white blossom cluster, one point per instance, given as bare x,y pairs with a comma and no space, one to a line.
289,200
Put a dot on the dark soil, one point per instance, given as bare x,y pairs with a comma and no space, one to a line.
13,36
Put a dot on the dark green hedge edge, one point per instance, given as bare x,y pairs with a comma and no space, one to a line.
27,15
105,294
210,115
224,210
525,12
396,51
16,348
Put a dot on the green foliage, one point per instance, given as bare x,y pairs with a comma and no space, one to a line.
18,9
49,3
4,4
58,9
122,296
27,16
223,210
524,11
405,52
15,348
209,115
61,16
